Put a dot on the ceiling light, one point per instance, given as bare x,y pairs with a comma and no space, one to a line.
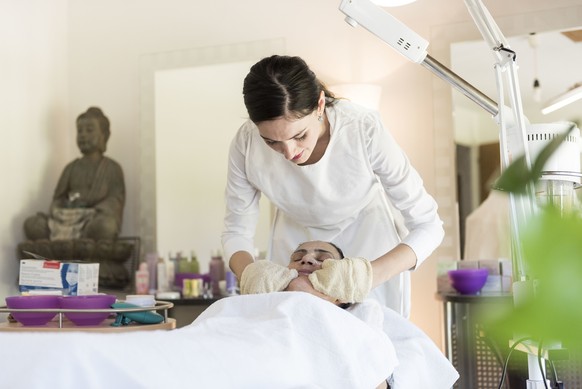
537,91
571,95
392,3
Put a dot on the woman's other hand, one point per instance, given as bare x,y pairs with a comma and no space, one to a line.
349,280
264,276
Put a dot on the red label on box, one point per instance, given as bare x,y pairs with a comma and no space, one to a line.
51,265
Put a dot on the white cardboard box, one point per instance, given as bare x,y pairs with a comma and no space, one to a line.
70,278
443,283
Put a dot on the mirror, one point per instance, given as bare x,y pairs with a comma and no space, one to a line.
191,107
443,39
552,58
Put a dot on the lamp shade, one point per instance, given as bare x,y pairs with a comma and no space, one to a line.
367,95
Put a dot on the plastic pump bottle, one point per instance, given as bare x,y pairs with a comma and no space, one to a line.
142,279
216,272
194,264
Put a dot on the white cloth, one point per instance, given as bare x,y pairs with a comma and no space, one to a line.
342,198
278,340
68,223
421,363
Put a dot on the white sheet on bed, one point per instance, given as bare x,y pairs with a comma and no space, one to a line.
422,364
280,340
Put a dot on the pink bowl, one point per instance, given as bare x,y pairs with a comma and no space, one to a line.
33,302
95,301
468,281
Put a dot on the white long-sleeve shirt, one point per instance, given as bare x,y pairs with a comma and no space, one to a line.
342,198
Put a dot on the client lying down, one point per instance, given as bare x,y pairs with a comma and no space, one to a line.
421,363
266,341
259,341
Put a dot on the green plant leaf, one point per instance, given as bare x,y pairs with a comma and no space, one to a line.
515,177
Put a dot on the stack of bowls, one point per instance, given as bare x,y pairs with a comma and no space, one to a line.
96,301
36,303
37,318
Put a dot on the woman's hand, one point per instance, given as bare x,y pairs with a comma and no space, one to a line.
263,276
349,280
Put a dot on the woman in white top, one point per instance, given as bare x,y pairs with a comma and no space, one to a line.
333,173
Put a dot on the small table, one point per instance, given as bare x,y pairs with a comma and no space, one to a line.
477,358
61,323
53,326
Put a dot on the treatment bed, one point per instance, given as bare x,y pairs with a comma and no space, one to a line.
279,340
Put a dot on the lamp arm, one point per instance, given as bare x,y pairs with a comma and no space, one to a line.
486,26
461,85
411,45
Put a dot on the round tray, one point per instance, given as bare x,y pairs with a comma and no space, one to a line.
160,306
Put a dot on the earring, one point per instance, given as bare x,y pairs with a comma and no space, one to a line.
320,118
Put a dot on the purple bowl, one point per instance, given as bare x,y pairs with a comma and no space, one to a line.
94,301
468,281
33,302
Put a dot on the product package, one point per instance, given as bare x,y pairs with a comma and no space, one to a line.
68,278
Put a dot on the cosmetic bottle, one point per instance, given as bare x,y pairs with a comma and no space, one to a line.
152,260
231,284
142,279
163,285
171,272
194,264
216,271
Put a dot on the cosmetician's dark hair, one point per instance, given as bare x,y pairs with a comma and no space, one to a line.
282,87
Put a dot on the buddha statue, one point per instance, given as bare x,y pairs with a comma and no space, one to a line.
84,218
89,197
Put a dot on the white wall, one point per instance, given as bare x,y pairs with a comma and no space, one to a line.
104,43
33,118
193,132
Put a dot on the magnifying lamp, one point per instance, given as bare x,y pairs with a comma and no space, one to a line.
514,137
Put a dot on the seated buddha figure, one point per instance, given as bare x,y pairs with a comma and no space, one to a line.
90,195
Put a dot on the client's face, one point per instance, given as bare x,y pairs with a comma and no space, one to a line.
309,256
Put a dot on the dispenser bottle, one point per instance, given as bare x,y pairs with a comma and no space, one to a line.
152,260
216,271
142,279
194,264
183,265
162,270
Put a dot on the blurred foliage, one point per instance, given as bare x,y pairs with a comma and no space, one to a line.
552,247
552,244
